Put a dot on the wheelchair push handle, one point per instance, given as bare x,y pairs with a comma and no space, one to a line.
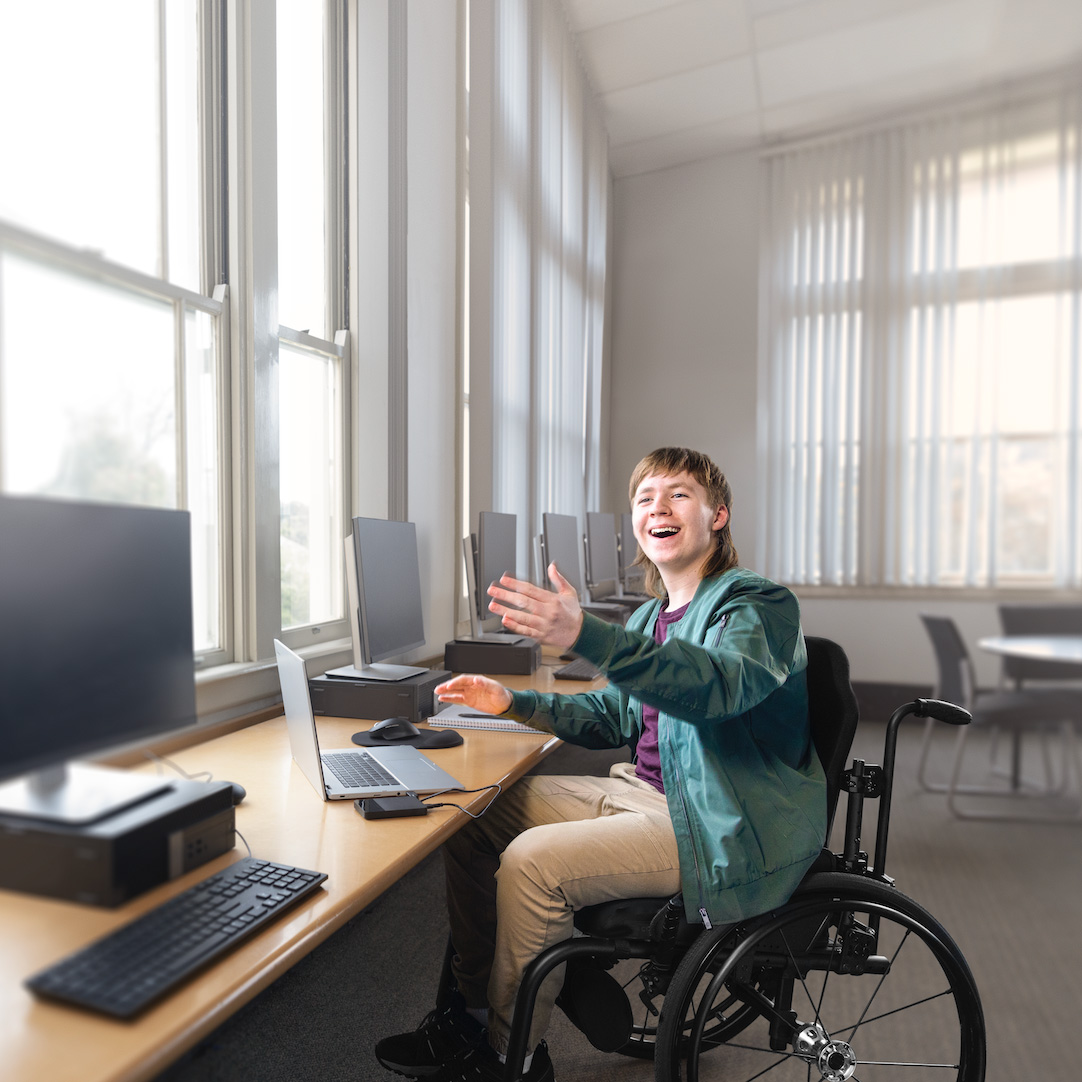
922,708
942,711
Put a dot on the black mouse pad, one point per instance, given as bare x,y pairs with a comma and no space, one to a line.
425,739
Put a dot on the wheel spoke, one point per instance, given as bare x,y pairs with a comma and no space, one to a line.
908,1063
850,1030
879,984
796,968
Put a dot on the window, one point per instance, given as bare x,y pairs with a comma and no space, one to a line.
311,422
105,317
171,308
311,306
922,354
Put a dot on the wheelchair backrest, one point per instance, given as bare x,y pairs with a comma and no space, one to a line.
832,710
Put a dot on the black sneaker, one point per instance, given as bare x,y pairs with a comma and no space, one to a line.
482,1064
445,1035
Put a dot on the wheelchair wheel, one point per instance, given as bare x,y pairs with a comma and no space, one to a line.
731,1016
850,980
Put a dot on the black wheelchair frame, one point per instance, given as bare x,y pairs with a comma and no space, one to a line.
801,991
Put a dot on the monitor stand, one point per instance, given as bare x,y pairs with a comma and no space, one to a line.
77,793
382,673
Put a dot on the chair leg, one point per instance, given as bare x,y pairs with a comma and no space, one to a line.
1071,761
922,762
1050,787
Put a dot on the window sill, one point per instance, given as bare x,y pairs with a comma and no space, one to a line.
228,691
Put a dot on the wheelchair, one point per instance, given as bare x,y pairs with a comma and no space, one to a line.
850,979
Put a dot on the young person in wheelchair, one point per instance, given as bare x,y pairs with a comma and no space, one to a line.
724,800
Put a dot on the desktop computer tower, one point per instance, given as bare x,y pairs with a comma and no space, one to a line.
115,858
495,658
347,697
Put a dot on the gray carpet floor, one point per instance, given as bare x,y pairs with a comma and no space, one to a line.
1009,893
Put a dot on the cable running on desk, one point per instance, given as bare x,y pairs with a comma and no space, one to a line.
130,968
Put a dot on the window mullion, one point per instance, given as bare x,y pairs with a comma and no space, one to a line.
253,271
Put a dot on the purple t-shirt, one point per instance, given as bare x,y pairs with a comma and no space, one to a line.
647,756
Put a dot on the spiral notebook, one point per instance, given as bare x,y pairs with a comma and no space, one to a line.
457,716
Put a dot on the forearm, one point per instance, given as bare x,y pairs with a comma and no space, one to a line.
744,660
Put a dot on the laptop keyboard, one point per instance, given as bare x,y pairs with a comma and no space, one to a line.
356,768
577,669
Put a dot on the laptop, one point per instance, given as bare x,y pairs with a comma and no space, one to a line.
349,773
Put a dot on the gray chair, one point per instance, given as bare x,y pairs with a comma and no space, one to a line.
1022,710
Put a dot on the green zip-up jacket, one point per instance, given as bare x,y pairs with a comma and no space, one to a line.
745,788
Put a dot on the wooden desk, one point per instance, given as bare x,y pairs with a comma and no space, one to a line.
1065,648
283,819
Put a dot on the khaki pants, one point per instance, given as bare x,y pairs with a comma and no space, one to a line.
548,846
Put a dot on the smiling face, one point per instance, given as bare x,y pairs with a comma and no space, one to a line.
676,526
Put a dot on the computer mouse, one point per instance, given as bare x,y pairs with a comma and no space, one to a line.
391,729
239,792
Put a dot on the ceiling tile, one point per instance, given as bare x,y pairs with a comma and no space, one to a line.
862,56
661,43
688,100
1034,33
814,18
680,79
584,14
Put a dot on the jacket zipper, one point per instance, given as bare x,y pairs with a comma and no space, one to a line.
683,804
680,788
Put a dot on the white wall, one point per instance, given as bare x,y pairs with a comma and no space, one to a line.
684,323
684,348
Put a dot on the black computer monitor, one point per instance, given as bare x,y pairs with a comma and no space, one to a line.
562,545
489,553
95,650
602,569
383,577
497,553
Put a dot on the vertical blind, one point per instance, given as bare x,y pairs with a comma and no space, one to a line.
920,343
539,183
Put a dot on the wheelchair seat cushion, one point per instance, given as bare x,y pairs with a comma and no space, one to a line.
638,918
631,918
622,918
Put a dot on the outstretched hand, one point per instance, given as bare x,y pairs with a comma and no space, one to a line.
554,619
477,692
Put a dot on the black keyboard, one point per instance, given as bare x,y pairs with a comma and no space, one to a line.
578,669
356,768
128,969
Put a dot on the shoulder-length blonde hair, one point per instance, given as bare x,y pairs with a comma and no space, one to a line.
668,462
